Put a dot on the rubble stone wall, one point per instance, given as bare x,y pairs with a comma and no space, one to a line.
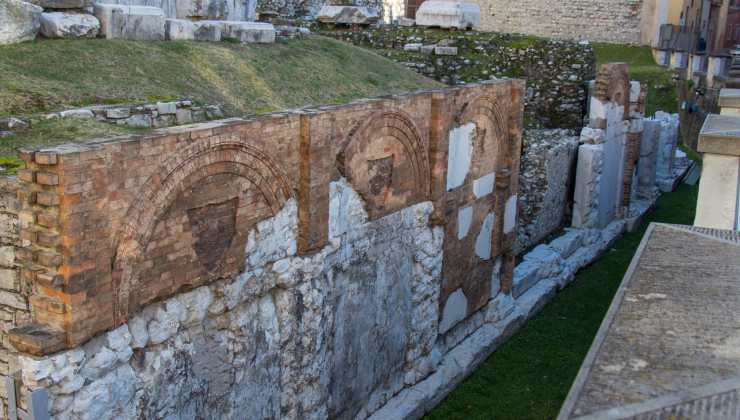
594,20
302,264
14,308
557,72
545,183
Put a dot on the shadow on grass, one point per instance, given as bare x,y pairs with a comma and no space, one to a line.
531,374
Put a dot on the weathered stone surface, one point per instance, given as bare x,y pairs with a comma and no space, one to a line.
77,113
525,276
196,10
666,331
568,243
413,46
455,310
252,32
69,25
464,220
483,240
348,15
647,165
588,185
511,210
460,154
448,14
440,50
63,4
19,21
545,183
143,23
406,22
179,30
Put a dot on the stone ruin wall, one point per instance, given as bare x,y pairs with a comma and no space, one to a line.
594,20
14,307
556,72
345,253
546,181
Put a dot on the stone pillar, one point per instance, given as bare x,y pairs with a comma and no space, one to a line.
609,113
717,205
666,152
646,166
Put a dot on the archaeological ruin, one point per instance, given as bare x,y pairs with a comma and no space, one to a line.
344,261
348,261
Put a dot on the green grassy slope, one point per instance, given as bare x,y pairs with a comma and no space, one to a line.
46,75
245,78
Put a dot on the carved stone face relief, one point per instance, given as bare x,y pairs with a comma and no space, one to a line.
213,227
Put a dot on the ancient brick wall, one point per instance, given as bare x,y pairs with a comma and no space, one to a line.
314,259
14,309
594,20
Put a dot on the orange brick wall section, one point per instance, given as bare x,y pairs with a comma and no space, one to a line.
114,225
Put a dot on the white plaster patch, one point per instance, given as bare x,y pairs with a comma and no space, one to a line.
483,242
484,185
635,91
510,214
455,310
464,219
460,154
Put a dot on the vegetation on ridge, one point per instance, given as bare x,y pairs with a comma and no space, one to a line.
51,75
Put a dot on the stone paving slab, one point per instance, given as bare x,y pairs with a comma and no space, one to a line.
672,326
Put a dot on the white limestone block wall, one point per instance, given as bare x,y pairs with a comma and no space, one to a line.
332,335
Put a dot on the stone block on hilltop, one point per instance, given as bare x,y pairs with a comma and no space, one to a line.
208,30
448,14
69,25
348,15
19,21
62,4
179,30
142,23
250,32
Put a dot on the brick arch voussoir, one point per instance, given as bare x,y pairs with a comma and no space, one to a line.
489,109
191,165
399,126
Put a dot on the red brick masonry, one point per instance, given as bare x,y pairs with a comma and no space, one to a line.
117,224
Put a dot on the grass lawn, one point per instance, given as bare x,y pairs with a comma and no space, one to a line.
530,375
51,75
48,75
